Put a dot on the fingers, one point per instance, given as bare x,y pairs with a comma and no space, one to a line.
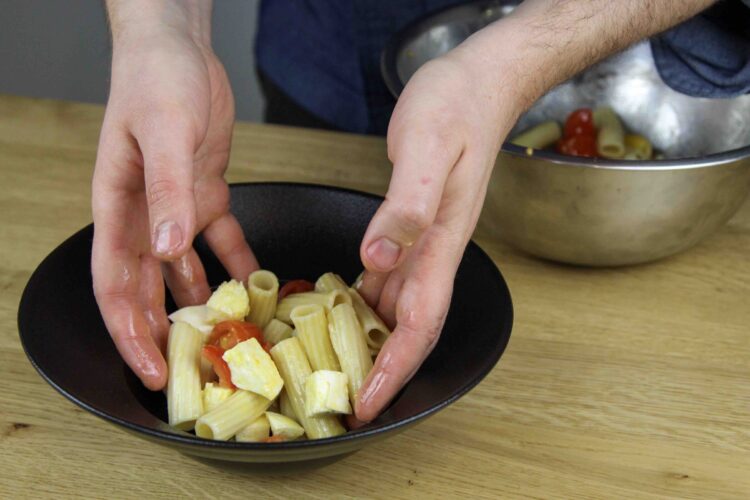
420,313
152,300
116,277
168,146
115,265
370,285
186,279
227,240
422,161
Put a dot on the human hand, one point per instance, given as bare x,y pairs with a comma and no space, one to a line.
443,140
158,181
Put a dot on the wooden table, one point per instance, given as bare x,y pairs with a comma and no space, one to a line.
630,382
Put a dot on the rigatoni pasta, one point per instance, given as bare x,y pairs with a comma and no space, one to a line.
539,136
294,369
329,282
610,139
351,349
328,300
184,398
258,430
263,292
375,330
247,375
312,331
276,331
235,413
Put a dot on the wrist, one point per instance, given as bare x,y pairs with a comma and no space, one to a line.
132,21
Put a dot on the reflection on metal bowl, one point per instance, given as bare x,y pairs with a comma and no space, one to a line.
593,211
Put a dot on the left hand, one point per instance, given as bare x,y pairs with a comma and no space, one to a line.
443,140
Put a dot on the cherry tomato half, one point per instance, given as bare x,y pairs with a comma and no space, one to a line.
228,334
579,122
578,145
295,286
214,355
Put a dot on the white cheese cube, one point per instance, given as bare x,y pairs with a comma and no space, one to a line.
284,426
195,316
229,301
326,392
253,369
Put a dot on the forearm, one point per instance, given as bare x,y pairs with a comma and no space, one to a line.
545,42
143,18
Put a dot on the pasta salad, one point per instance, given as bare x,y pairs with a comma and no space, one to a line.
263,363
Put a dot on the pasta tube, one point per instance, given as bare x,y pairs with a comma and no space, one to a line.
637,147
294,369
214,395
610,135
375,331
263,292
235,413
258,430
328,300
229,301
312,331
285,406
184,400
253,369
326,392
328,282
276,331
284,426
539,136
351,348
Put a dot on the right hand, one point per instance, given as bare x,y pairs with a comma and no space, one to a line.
158,181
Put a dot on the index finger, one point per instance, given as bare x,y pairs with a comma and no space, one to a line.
115,265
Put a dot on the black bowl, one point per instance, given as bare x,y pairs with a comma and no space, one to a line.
298,231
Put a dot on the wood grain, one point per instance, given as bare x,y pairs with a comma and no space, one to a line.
626,383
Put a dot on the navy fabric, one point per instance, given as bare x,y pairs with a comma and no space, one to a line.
708,55
325,54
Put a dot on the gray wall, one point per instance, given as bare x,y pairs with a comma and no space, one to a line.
61,50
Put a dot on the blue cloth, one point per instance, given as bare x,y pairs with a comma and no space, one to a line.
325,54
708,55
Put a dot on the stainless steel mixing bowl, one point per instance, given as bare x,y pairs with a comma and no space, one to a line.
592,211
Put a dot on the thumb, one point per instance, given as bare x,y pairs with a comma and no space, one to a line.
168,151
421,165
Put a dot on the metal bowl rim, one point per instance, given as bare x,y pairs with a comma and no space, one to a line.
395,86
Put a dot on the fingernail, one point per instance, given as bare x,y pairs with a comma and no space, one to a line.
384,253
168,238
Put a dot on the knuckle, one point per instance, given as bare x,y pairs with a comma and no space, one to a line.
413,216
160,191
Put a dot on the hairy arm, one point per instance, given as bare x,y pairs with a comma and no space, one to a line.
443,140
544,42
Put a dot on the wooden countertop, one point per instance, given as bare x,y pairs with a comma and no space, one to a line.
630,382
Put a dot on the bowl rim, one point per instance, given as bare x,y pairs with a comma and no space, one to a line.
389,72
190,440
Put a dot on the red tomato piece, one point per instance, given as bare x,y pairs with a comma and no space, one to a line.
213,355
274,439
579,122
578,145
228,334
295,286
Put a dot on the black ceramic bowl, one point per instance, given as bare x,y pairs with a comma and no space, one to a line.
298,231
